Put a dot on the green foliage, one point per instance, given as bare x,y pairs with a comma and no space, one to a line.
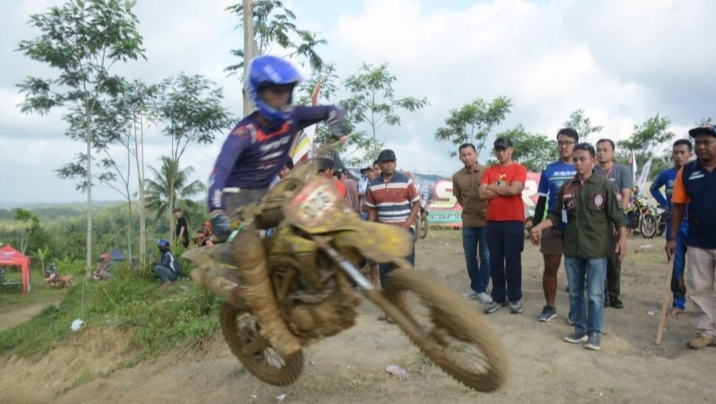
473,122
532,150
160,320
373,103
644,142
583,125
273,25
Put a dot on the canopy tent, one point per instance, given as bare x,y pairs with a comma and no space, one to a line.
117,255
12,257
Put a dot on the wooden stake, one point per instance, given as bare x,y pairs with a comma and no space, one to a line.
665,304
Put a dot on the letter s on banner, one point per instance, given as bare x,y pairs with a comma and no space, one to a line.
443,199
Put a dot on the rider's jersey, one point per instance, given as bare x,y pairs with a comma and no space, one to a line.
252,154
553,177
666,179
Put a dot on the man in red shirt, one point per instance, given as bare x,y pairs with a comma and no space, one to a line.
502,186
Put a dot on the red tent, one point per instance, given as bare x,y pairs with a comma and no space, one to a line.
12,257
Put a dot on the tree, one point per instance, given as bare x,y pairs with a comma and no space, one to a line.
644,142
84,39
30,224
273,25
171,187
582,124
192,112
473,122
41,254
373,102
532,150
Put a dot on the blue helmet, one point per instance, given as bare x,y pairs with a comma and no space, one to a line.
267,70
162,243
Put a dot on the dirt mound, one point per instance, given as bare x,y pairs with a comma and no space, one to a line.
90,353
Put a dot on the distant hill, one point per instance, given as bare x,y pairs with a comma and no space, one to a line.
45,205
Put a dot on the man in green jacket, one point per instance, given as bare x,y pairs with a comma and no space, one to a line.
588,205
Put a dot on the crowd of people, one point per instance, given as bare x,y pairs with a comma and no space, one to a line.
580,215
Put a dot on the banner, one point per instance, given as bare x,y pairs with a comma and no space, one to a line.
304,141
644,173
443,209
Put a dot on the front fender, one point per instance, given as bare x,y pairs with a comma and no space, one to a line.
376,241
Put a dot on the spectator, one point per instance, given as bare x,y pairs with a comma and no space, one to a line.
392,199
502,186
325,170
621,177
465,184
352,197
589,206
205,235
695,185
681,153
168,268
552,245
182,229
101,273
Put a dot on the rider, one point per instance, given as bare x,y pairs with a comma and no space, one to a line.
257,148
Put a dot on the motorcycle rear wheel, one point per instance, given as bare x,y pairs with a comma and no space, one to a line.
649,226
450,318
424,224
240,331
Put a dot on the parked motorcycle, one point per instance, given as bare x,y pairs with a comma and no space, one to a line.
293,288
422,223
661,217
641,218
54,280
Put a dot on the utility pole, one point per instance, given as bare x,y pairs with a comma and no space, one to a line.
249,48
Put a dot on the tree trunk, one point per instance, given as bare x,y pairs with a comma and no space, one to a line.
140,174
88,134
249,47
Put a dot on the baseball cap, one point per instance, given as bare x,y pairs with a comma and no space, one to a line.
502,142
386,155
703,130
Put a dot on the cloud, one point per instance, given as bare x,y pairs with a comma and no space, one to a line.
621,61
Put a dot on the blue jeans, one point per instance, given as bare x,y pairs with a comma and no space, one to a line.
385,268
506,240
586,317
165,274
679,264
478,271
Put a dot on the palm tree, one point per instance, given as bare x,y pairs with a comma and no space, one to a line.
162,198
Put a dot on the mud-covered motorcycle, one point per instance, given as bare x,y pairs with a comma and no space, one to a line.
291,289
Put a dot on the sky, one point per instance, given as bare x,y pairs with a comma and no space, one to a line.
620,61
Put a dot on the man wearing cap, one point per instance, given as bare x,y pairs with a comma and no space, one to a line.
502,186
465,184
695,185
392,198
182,229
325,169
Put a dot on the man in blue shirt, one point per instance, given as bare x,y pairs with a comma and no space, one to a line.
681,153
554,176
257,148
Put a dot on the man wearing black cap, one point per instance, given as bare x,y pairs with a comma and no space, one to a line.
392,199
695,185
502,186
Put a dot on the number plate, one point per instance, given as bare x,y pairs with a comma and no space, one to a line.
313,204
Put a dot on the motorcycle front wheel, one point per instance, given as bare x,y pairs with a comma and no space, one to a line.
424,224
253,351
649,226
444,320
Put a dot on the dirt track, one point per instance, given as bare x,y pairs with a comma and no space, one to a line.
349,368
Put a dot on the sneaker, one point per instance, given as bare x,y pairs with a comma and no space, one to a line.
484,298
594,341
471,295
516,307
576,337
616,303
701,342
493,306
548,313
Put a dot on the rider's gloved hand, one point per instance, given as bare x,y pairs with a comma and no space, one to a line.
337,127
221,225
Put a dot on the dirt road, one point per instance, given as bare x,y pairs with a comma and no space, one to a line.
349,368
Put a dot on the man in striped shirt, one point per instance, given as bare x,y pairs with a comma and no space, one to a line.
392,198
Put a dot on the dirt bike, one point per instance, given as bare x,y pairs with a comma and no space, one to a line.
422,223
54,280
293,288
661,217
641,218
